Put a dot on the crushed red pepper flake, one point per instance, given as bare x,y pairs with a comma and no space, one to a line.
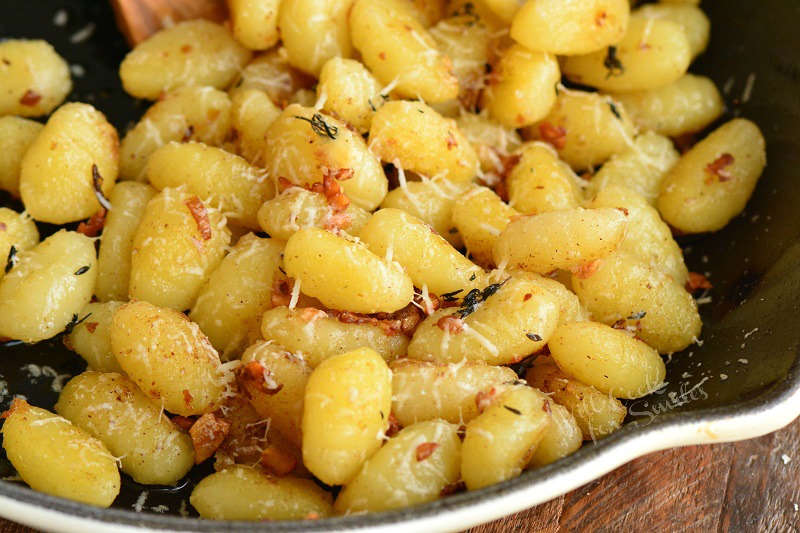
452,488
94,225
451,324
277,461
394,426
3,226
30,98
282,292
451,140
207,434
586,270
719,169
624,210
284,184
200,215
91,326
484,399
187,397
425,450
555,135
697,281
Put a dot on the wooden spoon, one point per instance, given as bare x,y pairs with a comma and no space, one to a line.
139,19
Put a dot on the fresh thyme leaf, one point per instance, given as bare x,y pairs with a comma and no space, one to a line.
320,127
612,63
74,322
451,296
615,110
475,297
82,270
515,411
97,183
534,337
11,260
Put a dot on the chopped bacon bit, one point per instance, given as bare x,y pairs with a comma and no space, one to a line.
277,461
697,282
409,317
586,270
208,433
331,189
310,314
624,210
94,225
338,221
254,375
451,324
433,303
183,422
451,140
30,98
507,164
91,326
390,326
484,399
187,134
282,292
501,190
394,426
425,450
555,135
452,488
718,169
200,215
685,142
187,397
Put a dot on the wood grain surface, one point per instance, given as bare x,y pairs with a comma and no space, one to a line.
742,487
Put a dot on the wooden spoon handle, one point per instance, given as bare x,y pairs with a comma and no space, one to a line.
139,19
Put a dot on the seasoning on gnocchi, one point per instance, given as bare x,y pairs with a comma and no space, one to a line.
359,255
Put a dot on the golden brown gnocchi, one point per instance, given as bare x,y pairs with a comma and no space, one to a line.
34,78
191,53
70,168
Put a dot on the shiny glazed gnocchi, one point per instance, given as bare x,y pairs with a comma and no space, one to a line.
361,254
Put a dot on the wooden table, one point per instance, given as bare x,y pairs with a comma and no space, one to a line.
747,486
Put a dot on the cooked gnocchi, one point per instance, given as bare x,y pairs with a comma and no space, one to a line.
358,255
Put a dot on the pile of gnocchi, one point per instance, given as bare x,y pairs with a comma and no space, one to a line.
360,254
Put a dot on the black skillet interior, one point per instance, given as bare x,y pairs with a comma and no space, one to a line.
750,340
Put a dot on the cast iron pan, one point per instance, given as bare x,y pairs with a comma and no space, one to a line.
754,263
